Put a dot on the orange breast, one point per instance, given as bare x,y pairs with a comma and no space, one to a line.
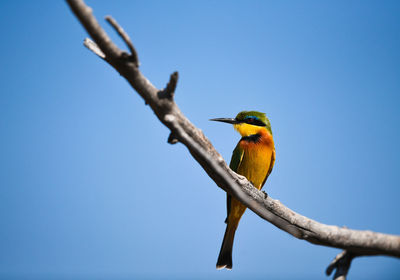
257,159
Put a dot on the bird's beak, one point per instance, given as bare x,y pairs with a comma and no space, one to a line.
226,120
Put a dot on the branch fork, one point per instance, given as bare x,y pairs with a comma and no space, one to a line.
341,264
133,56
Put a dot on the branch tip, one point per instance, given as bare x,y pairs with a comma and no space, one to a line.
342,264
172,139
125,37
93,47
171,86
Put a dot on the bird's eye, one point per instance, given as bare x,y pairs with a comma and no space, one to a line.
249,120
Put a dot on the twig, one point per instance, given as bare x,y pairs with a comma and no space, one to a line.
341,263
169,90
125,37
100,37
172,139
93,47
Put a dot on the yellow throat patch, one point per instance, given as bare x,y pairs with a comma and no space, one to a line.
247,129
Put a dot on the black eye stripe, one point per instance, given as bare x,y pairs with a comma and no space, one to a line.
253,121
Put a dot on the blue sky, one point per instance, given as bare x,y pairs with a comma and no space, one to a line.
91,190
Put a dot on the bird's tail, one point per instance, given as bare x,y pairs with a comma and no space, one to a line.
225,255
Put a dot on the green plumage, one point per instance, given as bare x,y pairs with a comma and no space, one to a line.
237,156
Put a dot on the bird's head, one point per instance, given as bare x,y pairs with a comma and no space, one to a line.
248,122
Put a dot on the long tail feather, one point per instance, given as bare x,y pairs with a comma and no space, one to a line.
225,254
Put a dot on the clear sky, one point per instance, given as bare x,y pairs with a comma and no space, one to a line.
90,189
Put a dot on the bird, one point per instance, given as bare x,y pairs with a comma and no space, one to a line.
254,158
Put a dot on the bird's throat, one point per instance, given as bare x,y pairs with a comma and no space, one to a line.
254,138
247,129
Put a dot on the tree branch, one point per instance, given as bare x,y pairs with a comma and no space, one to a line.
355,242
125,37
342,264
169,91
93,47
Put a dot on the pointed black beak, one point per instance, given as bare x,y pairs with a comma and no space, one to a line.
226,120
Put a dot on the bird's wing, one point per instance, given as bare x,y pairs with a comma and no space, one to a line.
271,165
236,159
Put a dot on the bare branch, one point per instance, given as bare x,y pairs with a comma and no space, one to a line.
355,242
93,47
342,264
169,91
85,16
125,37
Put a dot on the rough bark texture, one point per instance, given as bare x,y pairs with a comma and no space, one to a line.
355,242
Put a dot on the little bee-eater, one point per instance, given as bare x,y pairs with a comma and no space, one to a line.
254,158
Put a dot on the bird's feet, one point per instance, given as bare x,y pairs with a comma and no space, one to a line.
265,195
